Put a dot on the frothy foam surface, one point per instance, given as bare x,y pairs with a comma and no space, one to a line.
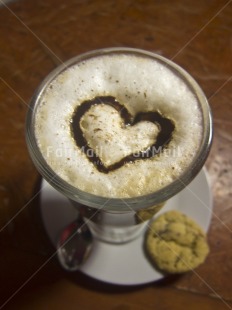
141,85
110,138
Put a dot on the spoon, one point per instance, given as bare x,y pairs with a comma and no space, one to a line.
74,245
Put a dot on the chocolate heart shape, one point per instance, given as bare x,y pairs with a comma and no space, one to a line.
165,130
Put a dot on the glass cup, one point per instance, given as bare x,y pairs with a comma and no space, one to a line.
117,220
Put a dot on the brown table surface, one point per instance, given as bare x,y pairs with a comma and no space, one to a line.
35,37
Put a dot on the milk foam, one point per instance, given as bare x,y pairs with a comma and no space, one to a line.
141,85
104,129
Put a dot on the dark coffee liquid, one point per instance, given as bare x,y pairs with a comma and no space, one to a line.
165,125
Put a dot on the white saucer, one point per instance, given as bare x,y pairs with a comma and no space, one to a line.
125,264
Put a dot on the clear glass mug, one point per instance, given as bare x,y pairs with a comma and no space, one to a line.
117,220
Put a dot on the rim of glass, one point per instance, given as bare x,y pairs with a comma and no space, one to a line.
120,204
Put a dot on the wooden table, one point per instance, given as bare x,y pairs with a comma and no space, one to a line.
35,37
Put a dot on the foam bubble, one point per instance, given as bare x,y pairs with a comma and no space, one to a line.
141,85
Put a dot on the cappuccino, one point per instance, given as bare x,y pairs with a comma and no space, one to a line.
119,125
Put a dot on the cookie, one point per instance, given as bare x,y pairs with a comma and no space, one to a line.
176,243
146,214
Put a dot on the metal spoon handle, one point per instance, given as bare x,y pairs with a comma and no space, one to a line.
74,245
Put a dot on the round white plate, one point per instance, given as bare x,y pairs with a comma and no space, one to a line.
125,264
